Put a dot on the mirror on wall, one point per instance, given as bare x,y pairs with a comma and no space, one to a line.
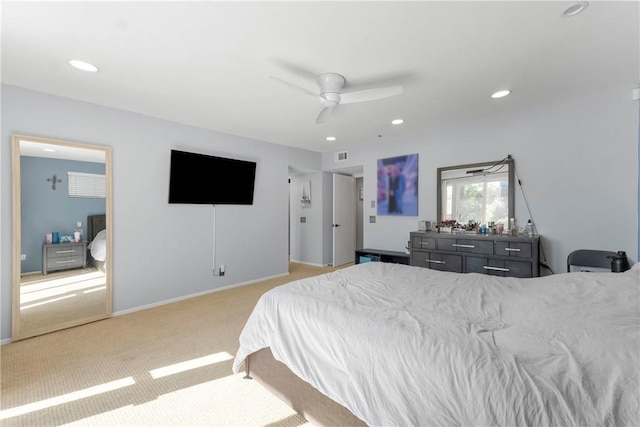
62,220
478,192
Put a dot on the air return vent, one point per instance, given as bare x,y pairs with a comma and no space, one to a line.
341,156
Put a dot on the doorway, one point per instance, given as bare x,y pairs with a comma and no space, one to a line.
310,224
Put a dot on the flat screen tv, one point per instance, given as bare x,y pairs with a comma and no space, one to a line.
203,179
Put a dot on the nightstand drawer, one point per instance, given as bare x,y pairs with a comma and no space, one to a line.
56,263
64,251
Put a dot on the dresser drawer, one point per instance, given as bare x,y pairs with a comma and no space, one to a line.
445,262
421,242
474,246
515,249
437,261
466,245
498,267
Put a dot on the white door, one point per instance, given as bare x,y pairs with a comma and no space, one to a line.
344,219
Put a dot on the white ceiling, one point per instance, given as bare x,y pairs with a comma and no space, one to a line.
216,65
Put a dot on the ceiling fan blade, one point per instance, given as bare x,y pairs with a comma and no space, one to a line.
295,86
369,94
295,69
323,115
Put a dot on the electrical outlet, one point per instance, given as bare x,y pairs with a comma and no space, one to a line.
23,257
372,219
221,270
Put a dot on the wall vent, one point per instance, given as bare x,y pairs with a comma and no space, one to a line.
341,156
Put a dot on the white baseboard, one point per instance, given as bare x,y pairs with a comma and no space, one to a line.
309,263
172,300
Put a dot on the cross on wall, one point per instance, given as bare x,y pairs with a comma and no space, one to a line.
53,180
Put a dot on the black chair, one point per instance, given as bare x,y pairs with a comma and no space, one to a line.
590,258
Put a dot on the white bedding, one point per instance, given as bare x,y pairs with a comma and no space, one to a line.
400,345
98,246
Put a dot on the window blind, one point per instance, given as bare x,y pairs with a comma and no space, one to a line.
87,185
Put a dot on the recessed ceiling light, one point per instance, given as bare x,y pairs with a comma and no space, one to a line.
575,9
500,94
397,122
331,138
84,66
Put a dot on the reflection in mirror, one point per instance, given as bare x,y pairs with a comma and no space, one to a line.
61,227
478,192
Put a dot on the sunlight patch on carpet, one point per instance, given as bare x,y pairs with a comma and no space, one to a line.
66,398
199,362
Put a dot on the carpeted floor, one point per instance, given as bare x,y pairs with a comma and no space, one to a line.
60,297
165,366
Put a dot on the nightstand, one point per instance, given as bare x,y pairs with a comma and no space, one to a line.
62,256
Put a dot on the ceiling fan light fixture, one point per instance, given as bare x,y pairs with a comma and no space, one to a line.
575,9
500,94
397,121
84,66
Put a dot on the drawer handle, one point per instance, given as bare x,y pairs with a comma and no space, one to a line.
65,261
435,261
486,267
456,245
424,243
512,249
66,252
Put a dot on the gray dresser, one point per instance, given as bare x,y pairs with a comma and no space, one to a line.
61,256
509,256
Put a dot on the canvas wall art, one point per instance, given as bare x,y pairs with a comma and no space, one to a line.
398,185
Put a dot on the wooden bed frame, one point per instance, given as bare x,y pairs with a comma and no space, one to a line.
297,393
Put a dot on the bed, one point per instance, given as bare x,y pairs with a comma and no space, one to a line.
390,344
97,238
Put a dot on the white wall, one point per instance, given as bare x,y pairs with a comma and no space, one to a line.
310,241
161,251
577,159
327,218
306,238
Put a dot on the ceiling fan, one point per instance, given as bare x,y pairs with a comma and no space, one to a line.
330,93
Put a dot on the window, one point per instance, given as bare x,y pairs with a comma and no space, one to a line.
87,185
481,193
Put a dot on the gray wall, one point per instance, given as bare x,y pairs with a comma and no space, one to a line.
161,251
46,210
577,159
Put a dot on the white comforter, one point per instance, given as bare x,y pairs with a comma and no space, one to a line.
98,246
401,345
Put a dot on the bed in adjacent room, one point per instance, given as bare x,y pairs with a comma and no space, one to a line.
389,344
97,238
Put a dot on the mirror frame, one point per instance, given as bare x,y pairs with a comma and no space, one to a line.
512,189
16,332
